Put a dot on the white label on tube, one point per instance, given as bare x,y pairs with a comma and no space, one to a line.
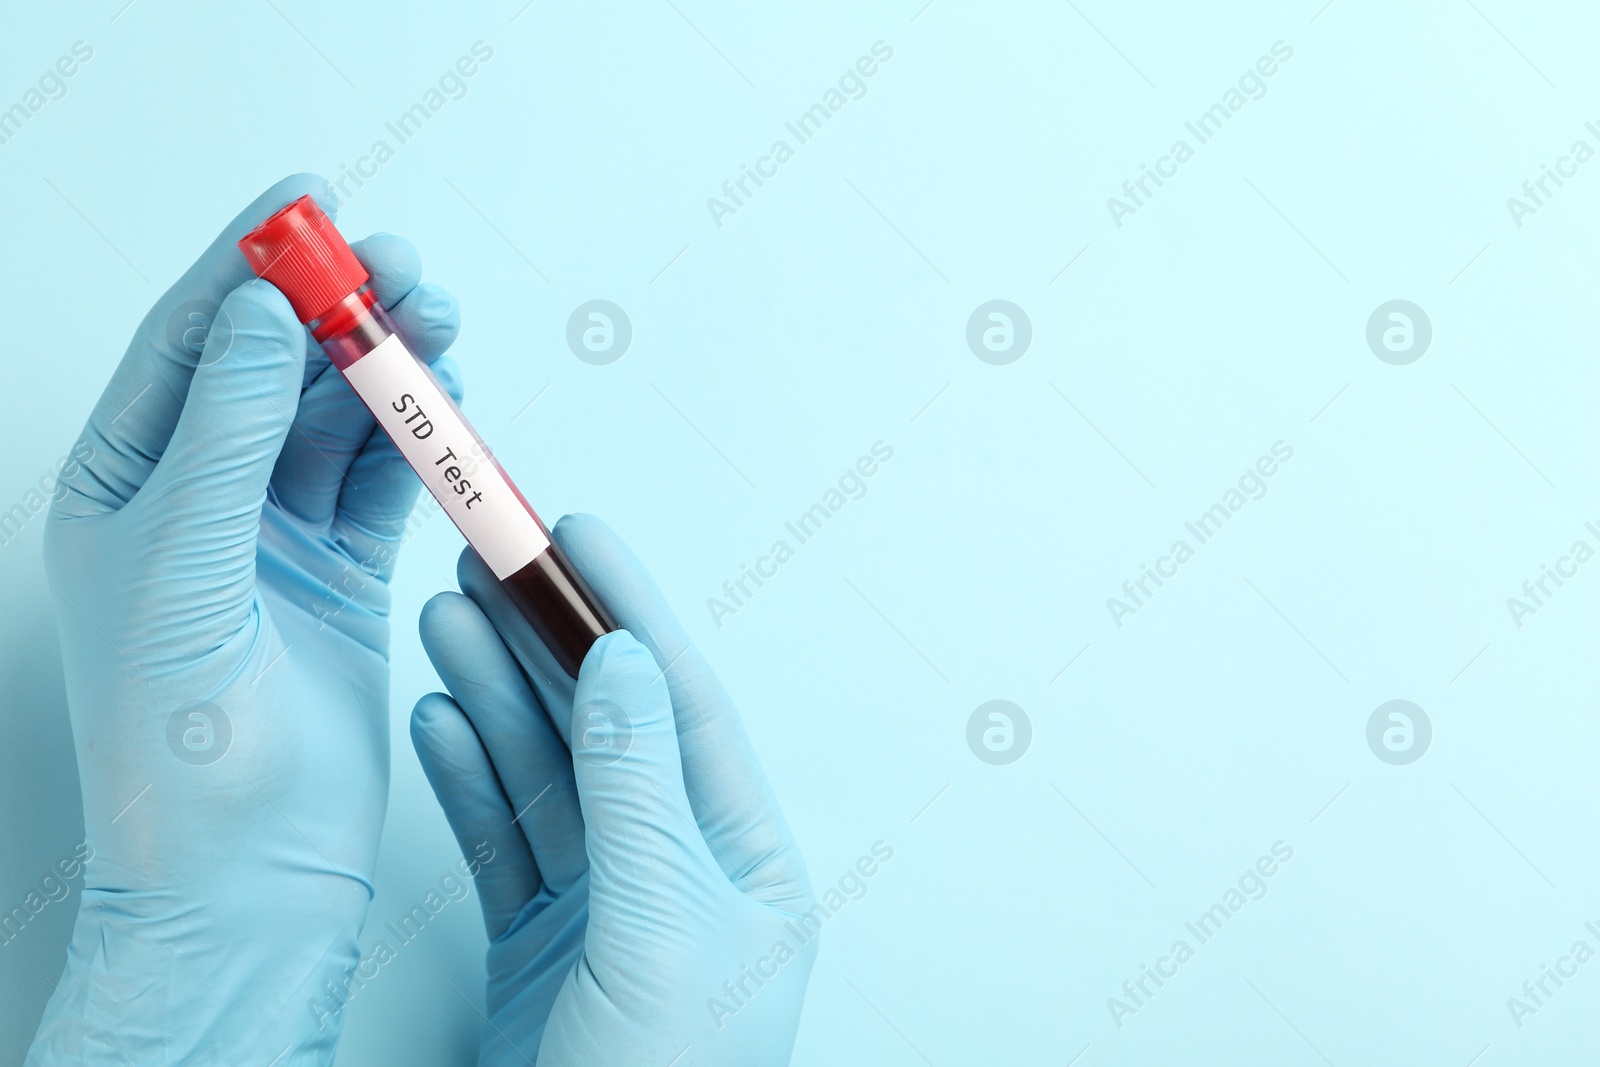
442,449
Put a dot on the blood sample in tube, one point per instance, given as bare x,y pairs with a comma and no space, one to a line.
300,251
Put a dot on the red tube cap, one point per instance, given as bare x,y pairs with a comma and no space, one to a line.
300,251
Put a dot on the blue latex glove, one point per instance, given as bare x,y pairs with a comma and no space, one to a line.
645,904
220,568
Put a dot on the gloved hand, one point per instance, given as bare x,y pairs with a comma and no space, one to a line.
646,904
220,570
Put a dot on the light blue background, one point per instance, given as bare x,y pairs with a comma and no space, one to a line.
1226,315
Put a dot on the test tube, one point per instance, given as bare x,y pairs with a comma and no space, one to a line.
300,251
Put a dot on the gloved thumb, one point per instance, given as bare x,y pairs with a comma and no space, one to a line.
639,829
213,476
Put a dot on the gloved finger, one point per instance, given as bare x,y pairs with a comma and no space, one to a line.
134,419
205,495
479,814
730,795
533,766
641,834
428,318
380,489
333,424
552,684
